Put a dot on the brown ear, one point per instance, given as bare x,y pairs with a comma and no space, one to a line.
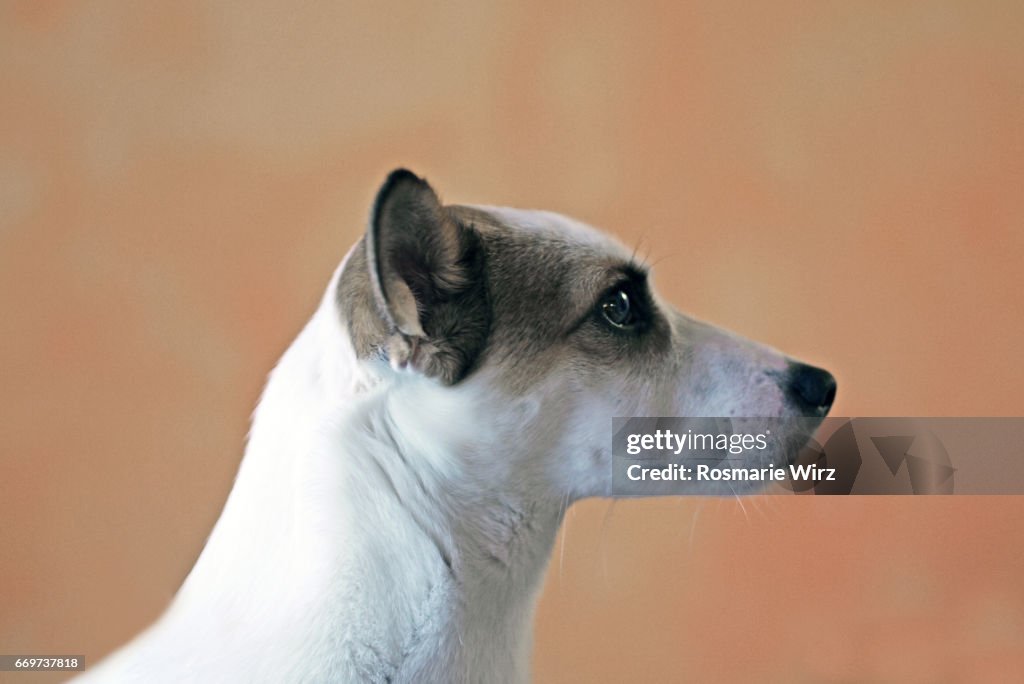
426,273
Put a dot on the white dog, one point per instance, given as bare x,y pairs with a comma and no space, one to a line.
415,449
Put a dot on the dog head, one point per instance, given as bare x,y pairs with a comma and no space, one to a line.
540,330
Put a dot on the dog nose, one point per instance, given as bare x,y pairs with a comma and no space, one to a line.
812,389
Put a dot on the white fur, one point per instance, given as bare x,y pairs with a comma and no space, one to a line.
313,572
385,528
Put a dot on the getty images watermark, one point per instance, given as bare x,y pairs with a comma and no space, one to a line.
815,456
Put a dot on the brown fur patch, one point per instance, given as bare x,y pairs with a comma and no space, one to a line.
414,292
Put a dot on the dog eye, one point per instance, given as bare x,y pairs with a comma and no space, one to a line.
617,308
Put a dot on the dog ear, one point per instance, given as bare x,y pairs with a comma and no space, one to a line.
426,274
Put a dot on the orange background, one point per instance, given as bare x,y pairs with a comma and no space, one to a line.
841,180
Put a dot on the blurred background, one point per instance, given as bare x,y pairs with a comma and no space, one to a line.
841,180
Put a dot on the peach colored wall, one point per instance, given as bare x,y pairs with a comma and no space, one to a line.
840,179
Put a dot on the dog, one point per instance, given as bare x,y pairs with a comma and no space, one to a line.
415,449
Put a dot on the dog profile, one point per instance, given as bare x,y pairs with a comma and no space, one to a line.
414,451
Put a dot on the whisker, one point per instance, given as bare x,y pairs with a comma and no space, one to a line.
636,246
740,502
565,533
756,505
660,259
693,524
602,538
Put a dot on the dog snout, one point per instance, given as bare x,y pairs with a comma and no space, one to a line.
812,389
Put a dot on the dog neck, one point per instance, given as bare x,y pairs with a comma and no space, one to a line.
372,529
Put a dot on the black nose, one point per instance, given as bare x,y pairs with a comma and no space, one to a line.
812,389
